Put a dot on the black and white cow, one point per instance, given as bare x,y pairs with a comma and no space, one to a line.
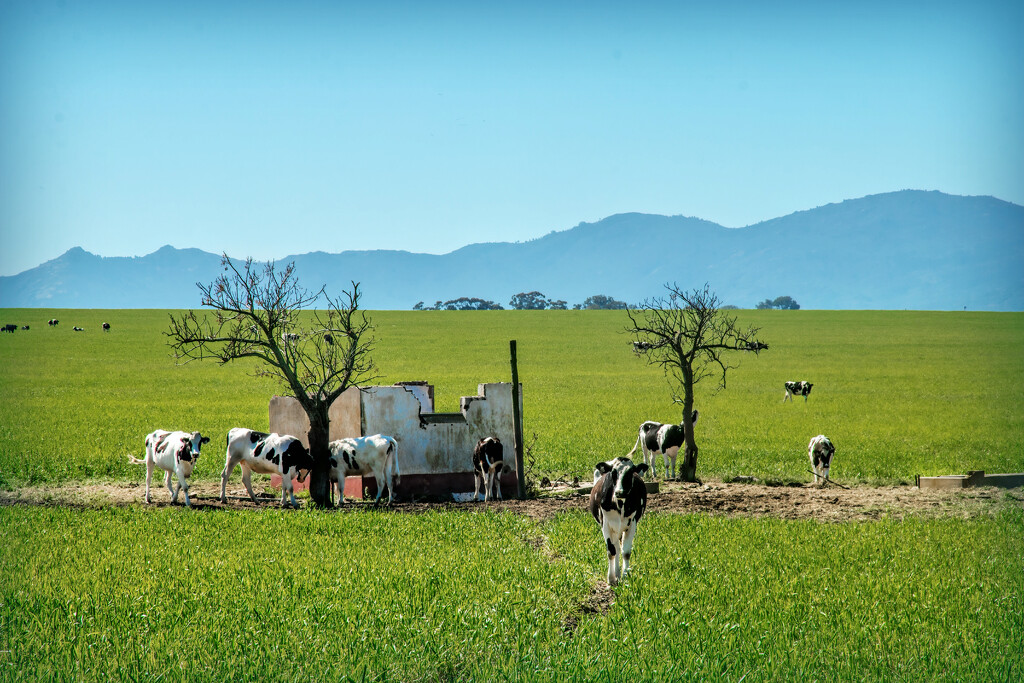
173,452
76,328
106,327
820,450
362,456
488,462
617,502
267,454
654,438
52,322
289,337
797,389
24,327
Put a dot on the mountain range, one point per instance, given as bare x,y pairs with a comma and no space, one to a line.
902,250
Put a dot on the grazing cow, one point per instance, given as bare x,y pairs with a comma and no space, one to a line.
329,338
8,328
797,389
820,450
52,322
173,452
488,462
362,456
106,327
289,337
78,329
266,454
666,439
24,327
617,502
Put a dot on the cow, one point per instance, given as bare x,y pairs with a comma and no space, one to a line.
106,327
173,452
365,455
9,328
488,462
52,322
289,337
797,389
617,502
78,329
267,454
24,327
654,438
820,450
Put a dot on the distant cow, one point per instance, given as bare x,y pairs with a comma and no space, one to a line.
266,454
106,327
488,462
666,439
52,322
617,502
289,337
797,389
78,329
24,327
9,328
820,450
365,455
173,452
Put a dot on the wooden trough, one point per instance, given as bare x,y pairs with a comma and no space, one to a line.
971,479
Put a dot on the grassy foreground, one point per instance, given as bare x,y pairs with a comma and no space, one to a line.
171,595
900,393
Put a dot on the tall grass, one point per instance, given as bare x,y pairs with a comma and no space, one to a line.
900,393
170,594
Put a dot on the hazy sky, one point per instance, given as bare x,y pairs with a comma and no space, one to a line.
273,128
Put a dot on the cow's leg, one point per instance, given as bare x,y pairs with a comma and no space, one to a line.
172,489
627,544
229,467
387,477
247,480
649,457
497,479
612,542
291,492
478,479
786,397
149,477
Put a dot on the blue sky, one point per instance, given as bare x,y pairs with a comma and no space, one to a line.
267,129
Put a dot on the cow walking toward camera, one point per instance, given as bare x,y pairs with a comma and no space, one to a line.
488,462
820,450
363,456
175,453
617,502
266,454
797,389
654,438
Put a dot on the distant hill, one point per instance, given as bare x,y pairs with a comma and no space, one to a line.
908,249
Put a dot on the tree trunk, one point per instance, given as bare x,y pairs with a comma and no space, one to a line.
688,470
319,478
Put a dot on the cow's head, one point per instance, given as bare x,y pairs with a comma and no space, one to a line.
190,448
297,456
620,472
825,452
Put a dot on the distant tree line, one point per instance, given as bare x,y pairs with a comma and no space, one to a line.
782,303
524,301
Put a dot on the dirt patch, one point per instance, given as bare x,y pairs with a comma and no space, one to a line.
727,499
599,604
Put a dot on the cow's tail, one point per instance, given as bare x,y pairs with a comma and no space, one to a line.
638,437
135,461
393,461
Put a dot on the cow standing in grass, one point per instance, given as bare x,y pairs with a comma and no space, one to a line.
654,438
266,454
364,455
820,450
488,462
797,389
173,452
617,502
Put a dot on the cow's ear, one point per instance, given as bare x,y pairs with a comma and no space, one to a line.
603,467
641,468
203,440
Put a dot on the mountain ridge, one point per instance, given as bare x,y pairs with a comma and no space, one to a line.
912,249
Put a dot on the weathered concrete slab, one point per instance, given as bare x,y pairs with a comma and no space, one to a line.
971,479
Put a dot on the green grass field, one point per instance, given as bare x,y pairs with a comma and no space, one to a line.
899,393
142,593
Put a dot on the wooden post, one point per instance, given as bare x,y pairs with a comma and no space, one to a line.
517,423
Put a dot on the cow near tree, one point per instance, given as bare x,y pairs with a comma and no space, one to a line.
256,314
689,336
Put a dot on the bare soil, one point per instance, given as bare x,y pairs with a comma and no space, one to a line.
794,501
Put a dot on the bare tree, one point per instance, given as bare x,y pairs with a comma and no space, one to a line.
316,357
689,336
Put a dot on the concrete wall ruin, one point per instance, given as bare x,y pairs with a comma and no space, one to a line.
435,449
